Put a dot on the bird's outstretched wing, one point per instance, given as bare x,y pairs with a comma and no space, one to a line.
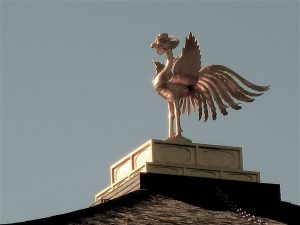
219,84
189,62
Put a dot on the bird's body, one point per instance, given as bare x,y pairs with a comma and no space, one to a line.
169,88
186,86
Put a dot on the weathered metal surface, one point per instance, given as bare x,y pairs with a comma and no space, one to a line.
187,86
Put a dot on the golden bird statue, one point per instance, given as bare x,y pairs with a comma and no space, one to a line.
187,86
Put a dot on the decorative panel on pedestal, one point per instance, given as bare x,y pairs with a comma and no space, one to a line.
181,158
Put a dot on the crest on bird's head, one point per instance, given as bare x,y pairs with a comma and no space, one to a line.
164,42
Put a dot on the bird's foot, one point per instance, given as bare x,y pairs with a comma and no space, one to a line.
178,139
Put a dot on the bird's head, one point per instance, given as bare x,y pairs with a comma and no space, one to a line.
164,42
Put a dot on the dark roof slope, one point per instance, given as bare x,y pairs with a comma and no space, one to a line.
160,199
146,207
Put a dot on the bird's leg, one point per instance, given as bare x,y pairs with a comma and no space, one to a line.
177,118
171,119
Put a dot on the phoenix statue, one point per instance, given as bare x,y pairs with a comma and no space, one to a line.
187,86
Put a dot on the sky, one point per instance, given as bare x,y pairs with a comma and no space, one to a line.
76,92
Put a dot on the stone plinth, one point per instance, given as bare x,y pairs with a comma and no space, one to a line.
181,158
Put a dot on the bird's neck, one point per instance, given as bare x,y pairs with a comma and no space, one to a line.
170,60
166,74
